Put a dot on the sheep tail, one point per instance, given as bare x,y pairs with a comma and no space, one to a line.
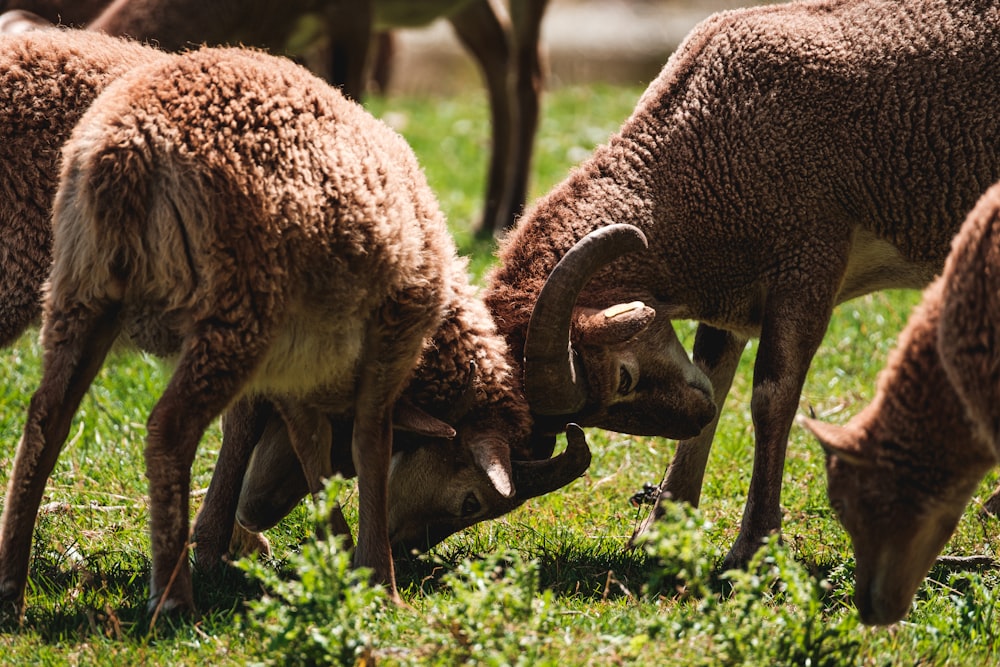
121,220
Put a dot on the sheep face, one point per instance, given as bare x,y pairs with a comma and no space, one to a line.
625,369
639,377
437,486
439,489
899,514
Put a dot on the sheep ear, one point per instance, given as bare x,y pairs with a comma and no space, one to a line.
408,417
839,441
614,325
492,455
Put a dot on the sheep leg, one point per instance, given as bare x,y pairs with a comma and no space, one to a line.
371,448
478,28
209,375
216,532
311,437
789,339
349,28
718,354
526,26
389,359
76,343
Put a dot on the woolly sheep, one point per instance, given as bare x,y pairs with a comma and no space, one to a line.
901,472
786,159
240,233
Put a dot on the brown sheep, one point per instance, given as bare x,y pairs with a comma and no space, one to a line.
239,233
787,158
901,472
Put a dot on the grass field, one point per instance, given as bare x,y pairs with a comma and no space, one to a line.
550,584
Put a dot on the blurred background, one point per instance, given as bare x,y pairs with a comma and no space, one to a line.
609,41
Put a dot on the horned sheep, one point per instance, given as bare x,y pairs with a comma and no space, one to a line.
786,159
901,472
240,233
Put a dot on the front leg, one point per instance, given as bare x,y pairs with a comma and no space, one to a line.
210,373
717,353
790,336
216,532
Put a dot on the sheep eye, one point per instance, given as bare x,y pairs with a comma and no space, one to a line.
624,381
470,505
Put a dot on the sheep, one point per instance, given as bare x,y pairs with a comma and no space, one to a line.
901,472
227,209
786,159
48,78
507,52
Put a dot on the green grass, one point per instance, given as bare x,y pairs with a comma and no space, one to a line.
551,583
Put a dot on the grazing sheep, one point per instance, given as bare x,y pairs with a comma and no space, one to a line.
228,209
48,78
787,158
901,472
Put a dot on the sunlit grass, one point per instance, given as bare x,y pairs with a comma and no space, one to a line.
551,583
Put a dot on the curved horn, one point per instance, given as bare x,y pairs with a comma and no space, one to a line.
552,373
536,478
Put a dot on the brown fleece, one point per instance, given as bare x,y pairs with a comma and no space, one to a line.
47,80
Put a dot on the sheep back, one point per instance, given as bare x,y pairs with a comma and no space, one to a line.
230,184
968,330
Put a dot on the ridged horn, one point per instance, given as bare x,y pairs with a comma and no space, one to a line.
536,478
553,376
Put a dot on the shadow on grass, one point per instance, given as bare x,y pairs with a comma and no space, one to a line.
105,595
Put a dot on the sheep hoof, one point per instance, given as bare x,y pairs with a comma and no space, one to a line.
158,606
245,543
991,508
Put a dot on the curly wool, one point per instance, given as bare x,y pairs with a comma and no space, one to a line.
48,78
767,117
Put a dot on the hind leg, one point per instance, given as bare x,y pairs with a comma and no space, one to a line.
215,530
214,365
77,340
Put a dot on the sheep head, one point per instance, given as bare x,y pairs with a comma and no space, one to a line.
899,514
439,489
618,367
438,484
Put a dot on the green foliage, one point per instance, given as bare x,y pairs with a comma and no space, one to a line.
491,612
775,613
772,613
325,614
